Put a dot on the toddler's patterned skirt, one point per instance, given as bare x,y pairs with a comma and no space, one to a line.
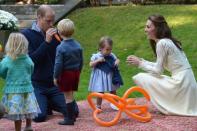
20,106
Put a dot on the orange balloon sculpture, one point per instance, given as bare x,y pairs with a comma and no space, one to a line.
123,104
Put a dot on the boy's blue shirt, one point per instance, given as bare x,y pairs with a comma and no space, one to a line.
69,56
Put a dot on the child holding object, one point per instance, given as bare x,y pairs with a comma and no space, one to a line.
105,76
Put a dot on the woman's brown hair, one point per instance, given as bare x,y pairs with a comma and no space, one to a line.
162,30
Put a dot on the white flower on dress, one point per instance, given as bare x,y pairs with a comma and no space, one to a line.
8,21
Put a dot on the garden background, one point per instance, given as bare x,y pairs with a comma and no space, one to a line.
125,25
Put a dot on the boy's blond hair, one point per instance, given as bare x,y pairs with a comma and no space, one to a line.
16,45
66,27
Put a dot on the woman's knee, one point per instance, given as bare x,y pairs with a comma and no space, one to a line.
138,77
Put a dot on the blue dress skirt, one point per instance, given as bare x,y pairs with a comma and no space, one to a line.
101,81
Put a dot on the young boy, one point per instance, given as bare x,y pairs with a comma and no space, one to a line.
68,65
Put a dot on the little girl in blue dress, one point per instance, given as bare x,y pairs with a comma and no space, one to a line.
105,76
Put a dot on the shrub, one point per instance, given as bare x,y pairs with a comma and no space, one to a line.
8,21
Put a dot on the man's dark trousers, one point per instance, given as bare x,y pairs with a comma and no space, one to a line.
49,95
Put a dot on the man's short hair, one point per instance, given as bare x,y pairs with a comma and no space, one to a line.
41,11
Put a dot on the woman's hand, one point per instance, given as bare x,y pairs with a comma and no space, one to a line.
133,60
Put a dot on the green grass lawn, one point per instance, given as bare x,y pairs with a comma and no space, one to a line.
125,24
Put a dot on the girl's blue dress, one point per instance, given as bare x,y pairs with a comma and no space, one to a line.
103,75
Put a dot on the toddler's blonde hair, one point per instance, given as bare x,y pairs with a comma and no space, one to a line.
16,45
66,27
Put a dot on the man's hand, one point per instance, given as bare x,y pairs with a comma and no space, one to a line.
49,34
